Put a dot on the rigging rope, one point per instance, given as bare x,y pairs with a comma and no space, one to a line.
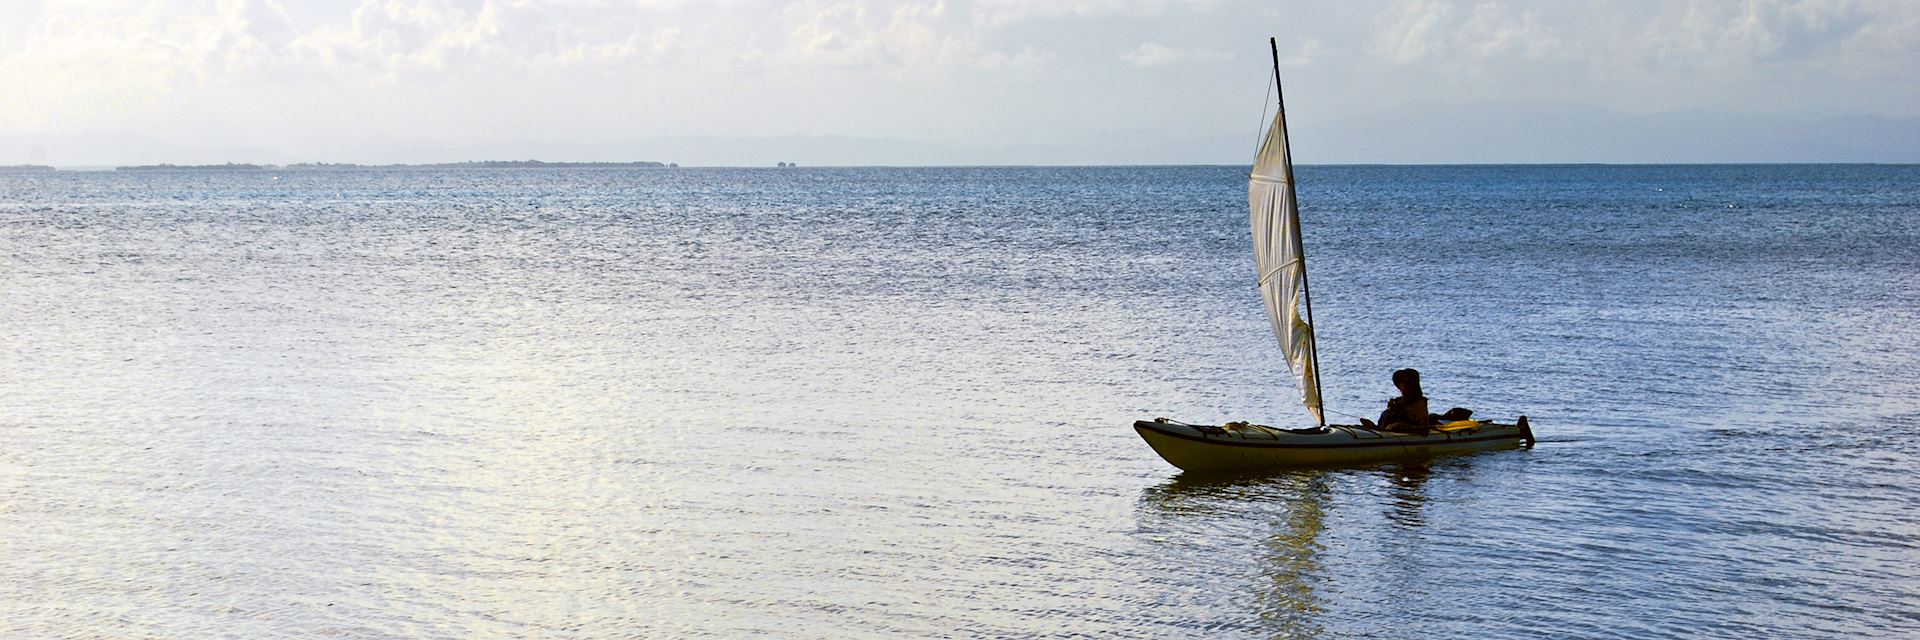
1342,413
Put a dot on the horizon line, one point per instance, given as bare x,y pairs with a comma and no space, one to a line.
663,165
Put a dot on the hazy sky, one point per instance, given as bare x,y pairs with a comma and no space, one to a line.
1091,81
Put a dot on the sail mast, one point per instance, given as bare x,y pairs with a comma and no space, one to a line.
1299,248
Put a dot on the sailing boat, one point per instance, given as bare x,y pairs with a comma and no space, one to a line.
1280,256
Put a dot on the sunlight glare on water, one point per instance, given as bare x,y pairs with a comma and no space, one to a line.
894,402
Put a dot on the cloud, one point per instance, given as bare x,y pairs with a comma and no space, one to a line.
860,35
1000,13
79,60
127,60
394,38
909,40
1724,35
1153,54
1435,30
240,71
1694,34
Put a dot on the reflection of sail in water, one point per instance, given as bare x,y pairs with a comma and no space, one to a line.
1291,568
1283,513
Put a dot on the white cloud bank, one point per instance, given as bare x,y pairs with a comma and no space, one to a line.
332,80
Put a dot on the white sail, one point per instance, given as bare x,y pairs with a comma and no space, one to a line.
1277,252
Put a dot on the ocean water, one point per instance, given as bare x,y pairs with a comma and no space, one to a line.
829,403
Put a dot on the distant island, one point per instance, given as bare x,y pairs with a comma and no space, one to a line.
25,168
491,164
195,167
332,166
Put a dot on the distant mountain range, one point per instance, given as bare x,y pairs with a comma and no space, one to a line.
1484,133
1572,133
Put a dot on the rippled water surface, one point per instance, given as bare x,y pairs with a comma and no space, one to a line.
895,402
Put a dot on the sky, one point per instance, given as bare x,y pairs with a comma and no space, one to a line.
86,82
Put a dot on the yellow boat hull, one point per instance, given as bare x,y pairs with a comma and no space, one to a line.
1239,446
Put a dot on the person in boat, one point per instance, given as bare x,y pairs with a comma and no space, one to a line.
1409,411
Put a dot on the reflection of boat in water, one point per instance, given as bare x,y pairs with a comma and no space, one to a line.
1308,553
1302,553
1279,254
1288,529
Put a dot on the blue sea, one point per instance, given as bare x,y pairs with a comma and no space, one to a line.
896,402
